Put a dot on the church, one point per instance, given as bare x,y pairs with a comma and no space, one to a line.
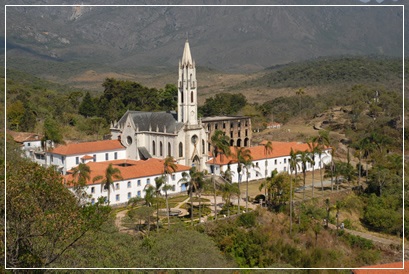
160,134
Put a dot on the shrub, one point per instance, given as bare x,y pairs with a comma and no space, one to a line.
247,220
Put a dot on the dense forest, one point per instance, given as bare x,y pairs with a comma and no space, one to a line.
374,138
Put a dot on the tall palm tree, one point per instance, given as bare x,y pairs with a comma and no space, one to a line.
195,179
322,140
268,148
304,159
80,174
165,189
221,146
293,168
149,199
157,191
169,167
244,160
228,190
111,174
314,149
266,184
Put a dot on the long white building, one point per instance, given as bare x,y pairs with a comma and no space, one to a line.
136,176
264,162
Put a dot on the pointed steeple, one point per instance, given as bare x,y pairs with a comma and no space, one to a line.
187,57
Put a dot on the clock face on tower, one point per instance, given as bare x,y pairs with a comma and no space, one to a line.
194,139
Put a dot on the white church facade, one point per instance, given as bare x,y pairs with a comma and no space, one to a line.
160,134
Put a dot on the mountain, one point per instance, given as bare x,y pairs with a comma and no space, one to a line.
228,38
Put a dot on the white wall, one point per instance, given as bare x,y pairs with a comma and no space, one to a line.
125,191
259,169
70,161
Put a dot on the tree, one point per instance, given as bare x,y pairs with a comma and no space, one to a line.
111,174
300,92
228,190
221,146
293,168
304,159
44,219
279,188
322,140
87,107
266,184
80,174
314,149
195,179
244,160
52,131
169,167
268,149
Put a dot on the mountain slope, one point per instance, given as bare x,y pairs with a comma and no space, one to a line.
223,37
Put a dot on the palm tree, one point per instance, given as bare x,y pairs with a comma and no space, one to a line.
266,184
80,174
293,167
244,159
169,167
314,149
268,148
166,188
228,190
221,146
195,179
322,140
159,184
149,198
300,92
304,159
111,174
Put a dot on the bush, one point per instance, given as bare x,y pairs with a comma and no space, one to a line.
247,219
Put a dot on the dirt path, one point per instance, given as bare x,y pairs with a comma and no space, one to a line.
380,241
118,223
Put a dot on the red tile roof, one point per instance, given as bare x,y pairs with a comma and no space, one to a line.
404,265
280,149
135,169
21,137
88,147
87,157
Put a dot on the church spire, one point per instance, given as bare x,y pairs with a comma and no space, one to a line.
187,57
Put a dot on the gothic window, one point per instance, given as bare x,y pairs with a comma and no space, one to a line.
181,96
180,149
191,97
160,149
203,147
169,149
153,148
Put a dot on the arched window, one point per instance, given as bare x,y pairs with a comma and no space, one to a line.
191,97
160,149
181,96
153,148
203,147
239,142
180,149
231,142
169,149
246,142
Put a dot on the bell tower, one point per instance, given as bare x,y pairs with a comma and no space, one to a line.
187,89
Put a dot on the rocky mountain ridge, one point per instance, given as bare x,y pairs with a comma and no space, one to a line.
230,38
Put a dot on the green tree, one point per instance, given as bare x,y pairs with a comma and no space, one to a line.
52,131
294,163
81,175
304,158
169,167
111,174
195,179
314,149
228,190
244,160
268,149
322,140
221,146
15,113
87,107
44,220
